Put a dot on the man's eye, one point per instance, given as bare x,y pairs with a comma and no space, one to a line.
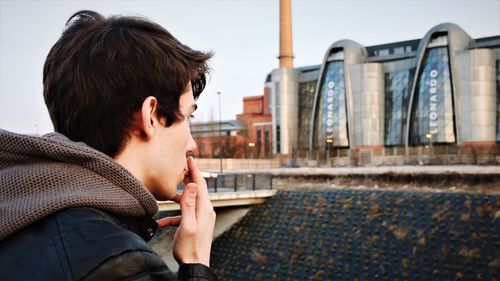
191,116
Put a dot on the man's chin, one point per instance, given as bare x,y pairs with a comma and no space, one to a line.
166,195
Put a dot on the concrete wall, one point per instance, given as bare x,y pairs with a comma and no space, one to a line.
368,98
478,96
285,100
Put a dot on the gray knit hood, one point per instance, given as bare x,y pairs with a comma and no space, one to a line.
42,175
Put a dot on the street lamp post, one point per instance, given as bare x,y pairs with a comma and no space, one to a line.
329,142
430,149
220,135
251,145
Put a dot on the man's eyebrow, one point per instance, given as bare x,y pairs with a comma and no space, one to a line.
194,107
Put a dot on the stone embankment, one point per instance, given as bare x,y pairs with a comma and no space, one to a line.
475,179
331,234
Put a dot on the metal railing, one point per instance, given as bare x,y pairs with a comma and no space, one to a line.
234,182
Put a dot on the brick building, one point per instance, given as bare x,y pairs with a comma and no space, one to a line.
210,141
250,136
257,119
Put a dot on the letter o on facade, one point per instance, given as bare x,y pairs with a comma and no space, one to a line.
433,115
434,73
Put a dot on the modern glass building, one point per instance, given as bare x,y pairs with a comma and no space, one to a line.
429,100
292,93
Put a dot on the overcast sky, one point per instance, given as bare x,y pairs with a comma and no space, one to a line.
243,34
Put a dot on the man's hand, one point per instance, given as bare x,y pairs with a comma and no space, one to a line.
193,238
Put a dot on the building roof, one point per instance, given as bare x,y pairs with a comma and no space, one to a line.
363,235
485,42
408,48
309,68
400,49
301,69
413,43
226,125
253,97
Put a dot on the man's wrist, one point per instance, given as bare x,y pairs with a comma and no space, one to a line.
188,271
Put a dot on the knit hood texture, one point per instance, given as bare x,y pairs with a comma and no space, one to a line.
43,175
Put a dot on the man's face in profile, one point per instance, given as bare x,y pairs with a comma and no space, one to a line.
169,149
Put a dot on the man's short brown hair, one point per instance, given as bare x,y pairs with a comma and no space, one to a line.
100,71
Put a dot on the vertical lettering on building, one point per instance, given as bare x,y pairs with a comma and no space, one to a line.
433,115
329,110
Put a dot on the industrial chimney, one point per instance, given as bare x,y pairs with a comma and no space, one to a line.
283,87
286,50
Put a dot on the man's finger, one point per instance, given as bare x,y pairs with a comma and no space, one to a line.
169,221
188,204
194,172
202,196
196,177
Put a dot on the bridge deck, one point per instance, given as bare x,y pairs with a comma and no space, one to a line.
226,199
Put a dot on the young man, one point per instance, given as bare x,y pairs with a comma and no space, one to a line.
77,204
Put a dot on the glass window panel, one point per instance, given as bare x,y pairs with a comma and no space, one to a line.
331,121
433,101
397,89
383,52
306,100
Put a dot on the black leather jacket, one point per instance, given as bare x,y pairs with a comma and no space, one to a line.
89,244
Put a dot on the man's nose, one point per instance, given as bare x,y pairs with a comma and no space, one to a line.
191,145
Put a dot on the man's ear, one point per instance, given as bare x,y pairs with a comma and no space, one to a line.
149,118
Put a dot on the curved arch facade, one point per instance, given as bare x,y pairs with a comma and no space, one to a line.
333,101
434,102
391,100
